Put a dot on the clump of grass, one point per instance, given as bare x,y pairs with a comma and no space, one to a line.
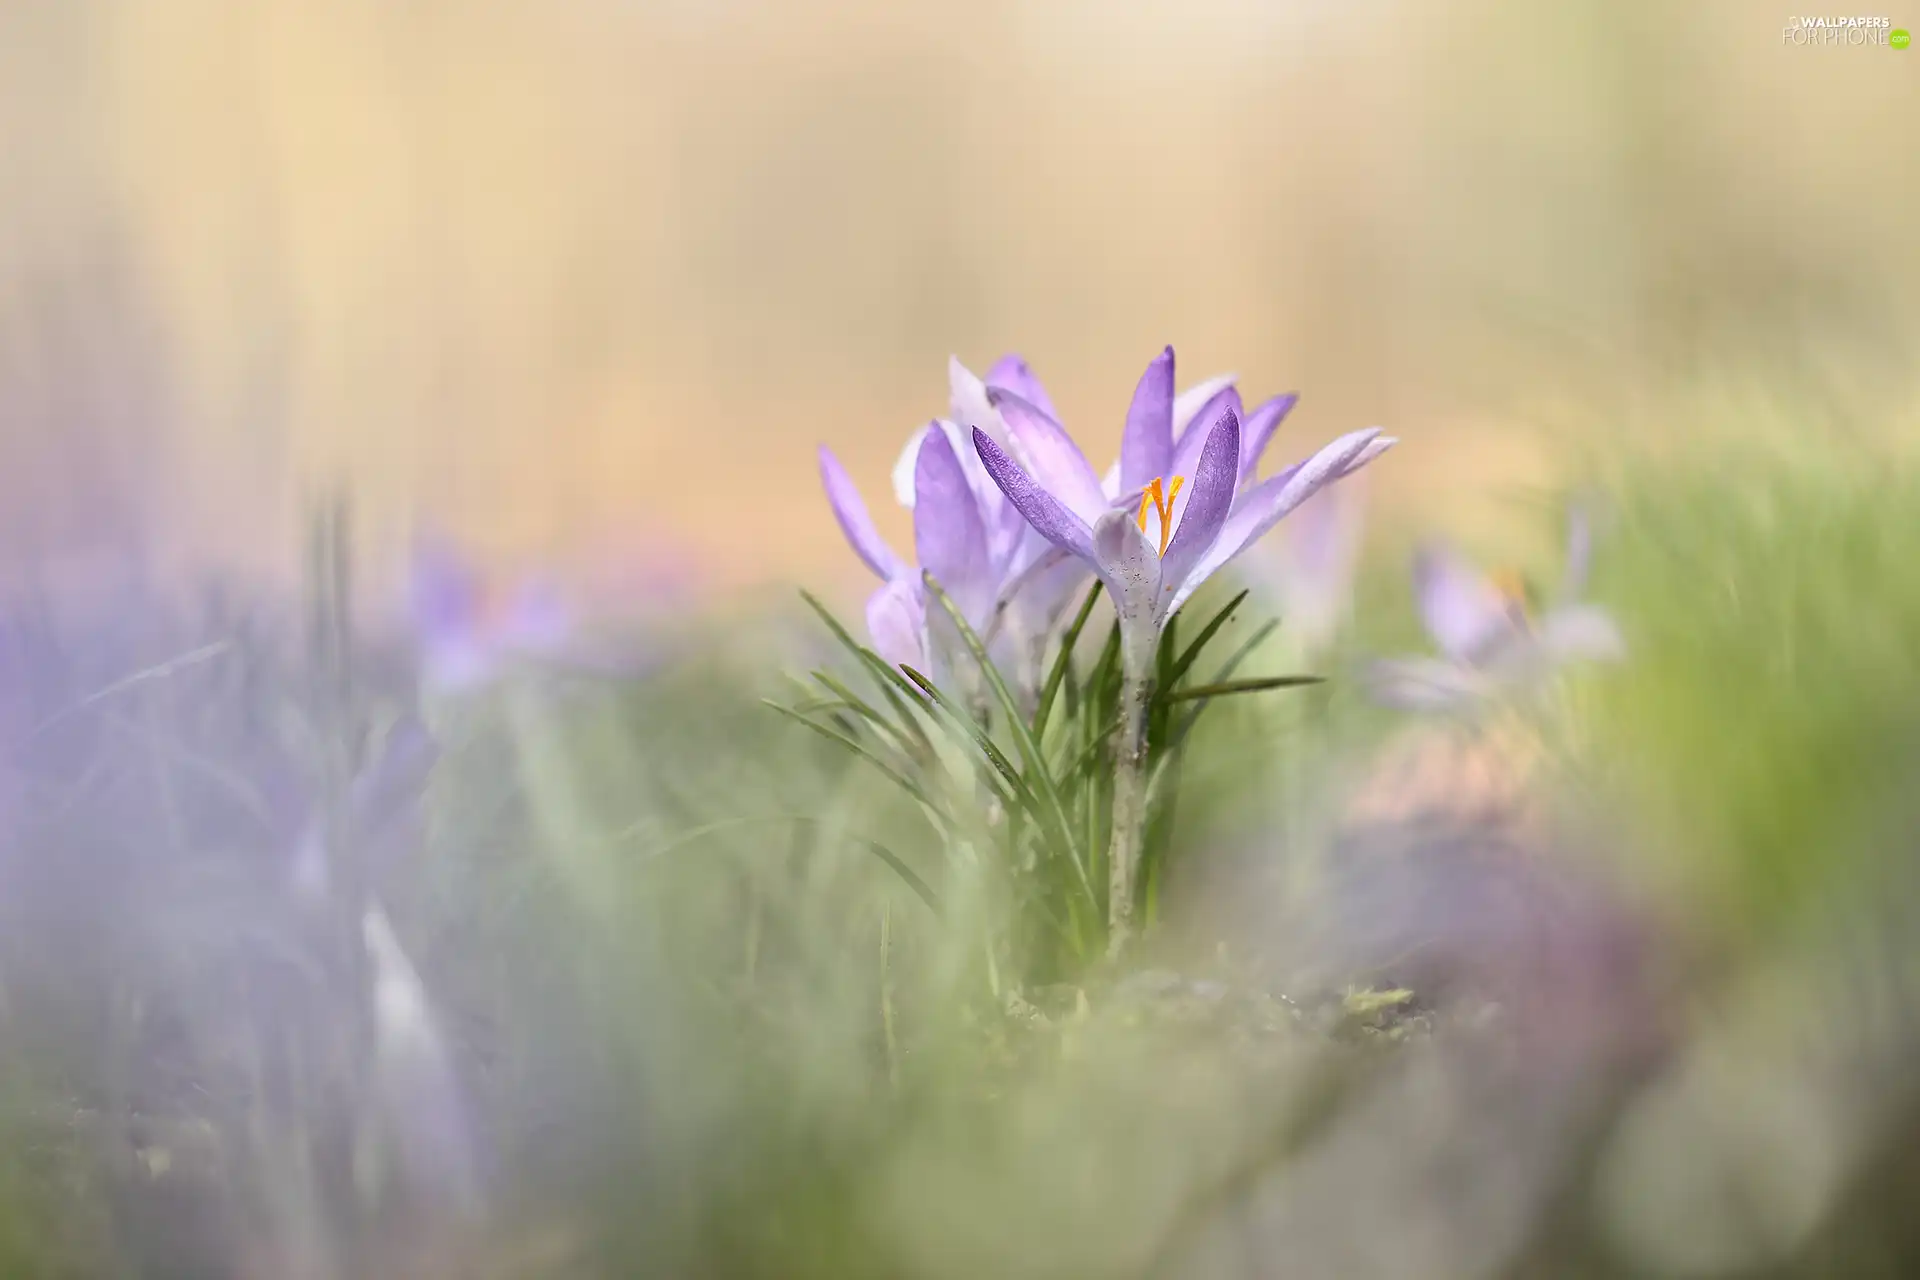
1767,725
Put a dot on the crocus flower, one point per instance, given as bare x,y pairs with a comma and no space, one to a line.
1488,639
1151,560
952,541
974,542
1186,526
467,629
470,630
1037,579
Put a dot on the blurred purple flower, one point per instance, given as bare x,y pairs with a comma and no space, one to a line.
1154,558
1309,574
1489,641
467,630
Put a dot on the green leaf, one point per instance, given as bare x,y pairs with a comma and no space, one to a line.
1061,662
1207,633
920,887
903,738
1054,810
888,680
860,749
1227,688
978,736
1231,665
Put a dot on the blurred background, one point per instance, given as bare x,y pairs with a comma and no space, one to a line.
315,964
609,269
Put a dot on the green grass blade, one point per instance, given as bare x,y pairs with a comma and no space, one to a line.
1207,633
1257,684
978,736
1054,810
903,738
1227,668
1061,662
873,758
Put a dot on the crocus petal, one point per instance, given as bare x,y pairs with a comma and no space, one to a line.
1013,374
1057,463
1129,565
1214,481
904,468
1319,548
948,535
1188,405
1043,511
851,512
1267,503
1464,613
1186,450
1581,633
1425,684
445,593
1146,450
538,617
968,396
897,622
1257,430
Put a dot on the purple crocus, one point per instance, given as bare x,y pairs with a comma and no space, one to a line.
467,629
1489,641
1008,579
952,541
1169,531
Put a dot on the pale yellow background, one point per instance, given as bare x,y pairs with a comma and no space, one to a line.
568,270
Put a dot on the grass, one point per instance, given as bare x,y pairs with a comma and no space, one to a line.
722,995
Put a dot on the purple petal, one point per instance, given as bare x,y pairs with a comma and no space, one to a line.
445,592
1190,405
538,617
1257,431
1214,481
1043,511
1013,373
851,512
1267,503
1129,565
1186,450
1146,450
1040,592
1463,612
948,536
897,622
1058,465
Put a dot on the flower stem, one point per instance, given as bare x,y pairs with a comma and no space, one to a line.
1129,804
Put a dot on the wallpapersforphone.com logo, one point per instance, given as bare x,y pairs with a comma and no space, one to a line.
1844,31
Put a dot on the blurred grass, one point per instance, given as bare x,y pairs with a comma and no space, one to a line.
652,935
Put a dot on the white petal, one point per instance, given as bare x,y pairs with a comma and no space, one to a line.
904,468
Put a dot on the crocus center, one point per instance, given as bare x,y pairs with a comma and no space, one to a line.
1512,586
1158,499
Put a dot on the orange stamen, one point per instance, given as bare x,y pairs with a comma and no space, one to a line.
1512,585
1154,498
